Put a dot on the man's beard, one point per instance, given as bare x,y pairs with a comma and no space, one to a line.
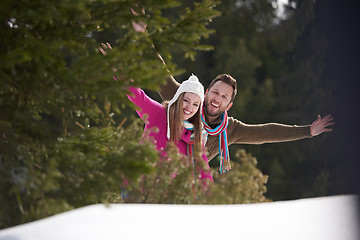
217,114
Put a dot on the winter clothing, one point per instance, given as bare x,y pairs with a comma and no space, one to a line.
155,117
191,85
242,133
221,132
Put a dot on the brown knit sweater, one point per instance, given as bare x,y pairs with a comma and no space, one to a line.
239,132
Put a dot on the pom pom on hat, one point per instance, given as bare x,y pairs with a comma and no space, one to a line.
192,85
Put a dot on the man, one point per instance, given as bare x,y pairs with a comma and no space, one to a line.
224,130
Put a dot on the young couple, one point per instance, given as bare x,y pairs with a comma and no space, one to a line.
193,119
210,124
222,130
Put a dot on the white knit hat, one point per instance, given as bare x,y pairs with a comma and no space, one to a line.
191,85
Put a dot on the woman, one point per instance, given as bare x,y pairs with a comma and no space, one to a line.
177,121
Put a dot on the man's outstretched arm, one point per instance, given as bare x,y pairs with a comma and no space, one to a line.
239,132
167,90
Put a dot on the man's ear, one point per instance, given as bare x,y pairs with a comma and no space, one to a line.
206,91
229,106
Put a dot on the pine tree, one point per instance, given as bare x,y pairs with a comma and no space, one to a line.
66,138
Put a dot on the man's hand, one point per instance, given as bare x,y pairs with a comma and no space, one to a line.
320,125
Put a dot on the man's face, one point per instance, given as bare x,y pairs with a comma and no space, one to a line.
217,99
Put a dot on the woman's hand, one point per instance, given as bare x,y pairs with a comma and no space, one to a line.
105,47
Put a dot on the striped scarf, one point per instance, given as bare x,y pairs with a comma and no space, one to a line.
190,143
189,126
221,131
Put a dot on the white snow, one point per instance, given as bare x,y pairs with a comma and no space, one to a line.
325,218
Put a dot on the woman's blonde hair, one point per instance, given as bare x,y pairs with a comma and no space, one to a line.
176,116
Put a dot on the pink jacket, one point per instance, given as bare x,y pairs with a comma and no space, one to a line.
156,124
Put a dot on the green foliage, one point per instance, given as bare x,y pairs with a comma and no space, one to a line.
172,182
188,30
66,136
245,183
74,171
52,79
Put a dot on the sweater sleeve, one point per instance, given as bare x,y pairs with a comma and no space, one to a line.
149,108
168,90
239,132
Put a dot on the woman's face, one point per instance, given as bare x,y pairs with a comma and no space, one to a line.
191,105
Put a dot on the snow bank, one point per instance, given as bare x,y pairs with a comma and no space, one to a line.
325,218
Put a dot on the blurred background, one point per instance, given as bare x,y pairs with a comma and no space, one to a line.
291,65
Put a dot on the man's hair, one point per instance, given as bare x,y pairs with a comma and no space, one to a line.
226,78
